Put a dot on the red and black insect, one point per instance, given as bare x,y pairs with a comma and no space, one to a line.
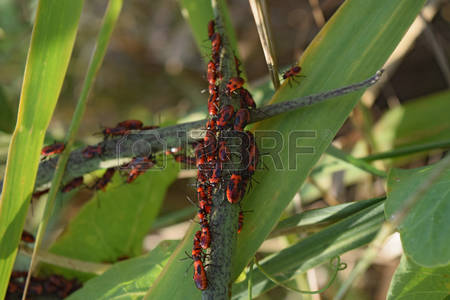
213,102
90,151
216,175
200,155
211,28
205,238
216,43
234,83
105,179
131,124
115,131
76,182
204,202
212,109
202,176
241,120
210,143
224,152
55,148
201,282
225,116
36,288
198,256
253,154
205,205
240,221
139,165
27,237
13,287
197,249
234,188
212,73
63,286
292,73
211,125
247,99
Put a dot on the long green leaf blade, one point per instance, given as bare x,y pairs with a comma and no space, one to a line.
48,57
109,20
129,279
354,43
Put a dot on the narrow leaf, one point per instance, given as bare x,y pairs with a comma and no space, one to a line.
129,279
51,45
425,231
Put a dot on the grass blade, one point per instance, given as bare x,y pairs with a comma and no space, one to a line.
51,46
343,52
128,279
321,216
109,20
357,162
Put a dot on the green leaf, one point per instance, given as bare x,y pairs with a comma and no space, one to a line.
321,216
413,282
51,46
425,231
129,279
359,163
7,117
109,20
175,271
114,223
423,120
352,232
353,44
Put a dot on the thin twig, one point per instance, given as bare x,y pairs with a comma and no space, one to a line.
259,10
222,221
69,263
339,266
317,13
357,162
407,151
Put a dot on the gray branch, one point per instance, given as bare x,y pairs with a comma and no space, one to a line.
157,140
